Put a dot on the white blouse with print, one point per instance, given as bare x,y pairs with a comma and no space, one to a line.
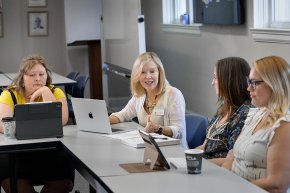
250,150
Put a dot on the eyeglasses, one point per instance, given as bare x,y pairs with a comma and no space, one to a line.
254,83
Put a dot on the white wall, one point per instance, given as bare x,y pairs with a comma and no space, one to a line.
16,44
82,20
189,60
121,32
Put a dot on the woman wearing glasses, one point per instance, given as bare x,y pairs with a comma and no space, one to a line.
159,107
230,83
49,168
261,154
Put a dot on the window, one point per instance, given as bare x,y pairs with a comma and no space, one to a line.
178,16
271,21
173,10
280,14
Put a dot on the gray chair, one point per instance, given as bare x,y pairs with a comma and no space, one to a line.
196,126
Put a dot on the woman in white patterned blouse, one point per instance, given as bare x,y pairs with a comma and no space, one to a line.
261,154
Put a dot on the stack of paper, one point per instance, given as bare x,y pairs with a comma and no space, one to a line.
134,139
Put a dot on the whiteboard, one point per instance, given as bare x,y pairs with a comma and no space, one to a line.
123,33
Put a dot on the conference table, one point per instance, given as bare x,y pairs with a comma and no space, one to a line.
57,79
4,80
12,147
97,158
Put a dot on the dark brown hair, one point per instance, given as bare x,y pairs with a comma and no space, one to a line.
232,73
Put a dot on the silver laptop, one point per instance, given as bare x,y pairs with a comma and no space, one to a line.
92,115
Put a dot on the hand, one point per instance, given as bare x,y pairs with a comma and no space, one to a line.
228,162
150,127
230,155
42,91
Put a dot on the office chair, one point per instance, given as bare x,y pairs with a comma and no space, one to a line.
78,91
69,88
196,126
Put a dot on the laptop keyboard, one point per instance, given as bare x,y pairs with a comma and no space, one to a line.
116,130
177,162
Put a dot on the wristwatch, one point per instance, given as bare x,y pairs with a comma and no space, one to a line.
160,129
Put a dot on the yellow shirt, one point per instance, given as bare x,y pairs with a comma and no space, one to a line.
6,97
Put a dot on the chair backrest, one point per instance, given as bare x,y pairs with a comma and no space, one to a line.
196,126
69,88
79,88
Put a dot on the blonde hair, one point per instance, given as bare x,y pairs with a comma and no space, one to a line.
136,87
275,72
28,63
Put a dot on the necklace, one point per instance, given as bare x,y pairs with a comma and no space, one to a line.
214,131
149,108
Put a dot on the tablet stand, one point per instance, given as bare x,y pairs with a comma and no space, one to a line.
150,153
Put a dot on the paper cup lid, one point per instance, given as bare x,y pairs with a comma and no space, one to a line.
195,151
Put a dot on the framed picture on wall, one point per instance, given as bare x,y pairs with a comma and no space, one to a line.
1,24
36,3
38,23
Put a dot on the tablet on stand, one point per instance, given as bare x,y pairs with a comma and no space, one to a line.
153,153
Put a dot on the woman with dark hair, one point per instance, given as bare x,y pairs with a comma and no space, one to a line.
230,82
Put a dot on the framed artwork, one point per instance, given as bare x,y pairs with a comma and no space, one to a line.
38,23
1,24
36,3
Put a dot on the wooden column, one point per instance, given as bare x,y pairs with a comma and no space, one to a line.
95,62
95,66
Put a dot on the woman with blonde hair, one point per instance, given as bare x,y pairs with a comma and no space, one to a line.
261,153
50,168
159,107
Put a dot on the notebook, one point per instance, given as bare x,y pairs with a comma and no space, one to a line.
38,120
92,115
134,139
